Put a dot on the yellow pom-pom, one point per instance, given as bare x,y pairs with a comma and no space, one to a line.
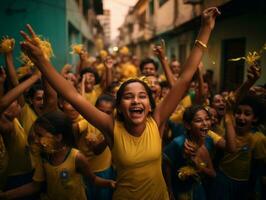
7,45
45,46
124,51
103,54
128,70
76,48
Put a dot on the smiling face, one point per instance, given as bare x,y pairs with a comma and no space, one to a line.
200,124
154,86
219,104
134,104
149,69
47,142
37,101
244,117
89,82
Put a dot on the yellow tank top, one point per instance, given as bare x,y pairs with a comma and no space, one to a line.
99,162
138,162
27,118
18,152
63,181
237,165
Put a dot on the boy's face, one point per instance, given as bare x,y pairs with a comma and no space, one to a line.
244,117
37,101
89,82
149,69
106,106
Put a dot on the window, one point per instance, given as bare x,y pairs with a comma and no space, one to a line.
232,72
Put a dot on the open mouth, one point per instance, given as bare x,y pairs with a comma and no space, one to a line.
240,124
136,112
204,131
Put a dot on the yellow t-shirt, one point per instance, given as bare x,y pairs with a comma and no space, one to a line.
62,181
94,94
177,115
99,162
18,152
27,118
138,162
237,165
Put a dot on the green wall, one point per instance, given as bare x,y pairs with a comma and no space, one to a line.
47,17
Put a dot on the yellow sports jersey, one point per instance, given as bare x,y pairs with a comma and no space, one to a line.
237,165
138,163
94,94
62,181
27,118
18,152
99,162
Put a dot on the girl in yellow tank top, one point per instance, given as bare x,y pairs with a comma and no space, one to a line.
138,117
62,167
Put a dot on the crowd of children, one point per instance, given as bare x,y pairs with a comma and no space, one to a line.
114,128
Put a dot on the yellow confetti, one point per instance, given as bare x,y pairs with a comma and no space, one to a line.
252,57
76,48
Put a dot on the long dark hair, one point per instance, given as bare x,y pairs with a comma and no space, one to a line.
121,91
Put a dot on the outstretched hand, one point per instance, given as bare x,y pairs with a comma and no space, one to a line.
208,17
159,50
108,63
254,72
30,46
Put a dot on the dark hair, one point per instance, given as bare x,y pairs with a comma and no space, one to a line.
92,71
191,111
257,105
164,84
107,98
34,89
147,61
121,90
56,123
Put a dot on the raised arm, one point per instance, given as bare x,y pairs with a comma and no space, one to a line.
100,120
12,74
108,68
14,93
201,95
171,100
50,97
2,81
253,74
160,53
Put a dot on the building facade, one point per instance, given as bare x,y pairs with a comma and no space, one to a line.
62,22
239,30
